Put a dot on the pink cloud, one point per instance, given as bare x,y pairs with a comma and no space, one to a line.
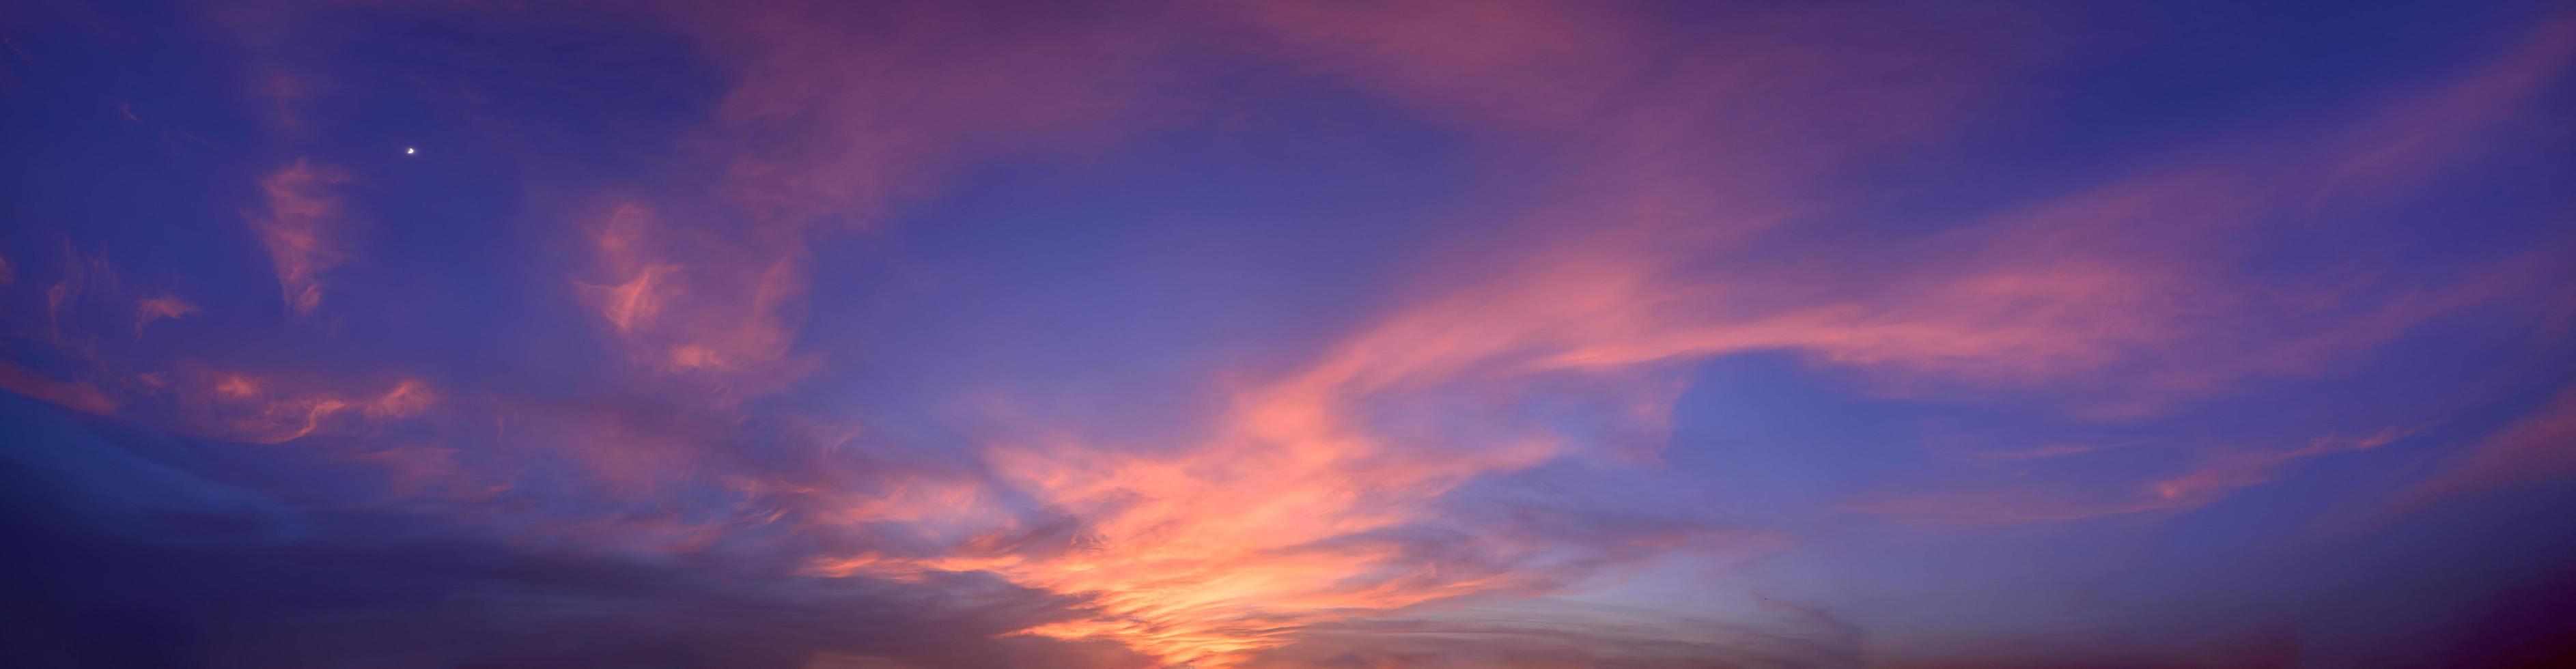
2039,453
2216,476
1210,551
2539,446
687,302
2235,470
152,309
822,132
972,79
70,394
432,472
1288,515
302,229
2413,137
1215,549
245,408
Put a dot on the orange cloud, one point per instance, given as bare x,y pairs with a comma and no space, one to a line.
1208,552
302,229
1213,551
1293,509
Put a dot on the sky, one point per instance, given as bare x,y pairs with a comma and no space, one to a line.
1287,333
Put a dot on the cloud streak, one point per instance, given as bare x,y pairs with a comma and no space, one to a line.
165,307
303,228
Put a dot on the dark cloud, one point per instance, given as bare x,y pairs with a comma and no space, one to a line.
132,548
1568,634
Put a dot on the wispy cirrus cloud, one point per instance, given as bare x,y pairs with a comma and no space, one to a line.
74,394
165,307
1213,551
2218,473
247,408
725,310
303,228
1310,501
2539,446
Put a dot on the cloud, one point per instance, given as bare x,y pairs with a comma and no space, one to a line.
2042,452
812,137
2413,138
2539,446
151,309
2218,474
706,279
136,570
76,395
1569,634
689,302
1310,502
303,229
83,275
1423,487
1313,501
244,408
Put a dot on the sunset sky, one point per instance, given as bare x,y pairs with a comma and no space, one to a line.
1250,334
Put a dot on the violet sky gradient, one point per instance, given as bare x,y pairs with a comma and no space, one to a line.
1321,333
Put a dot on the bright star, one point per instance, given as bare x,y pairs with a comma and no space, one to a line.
409,150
